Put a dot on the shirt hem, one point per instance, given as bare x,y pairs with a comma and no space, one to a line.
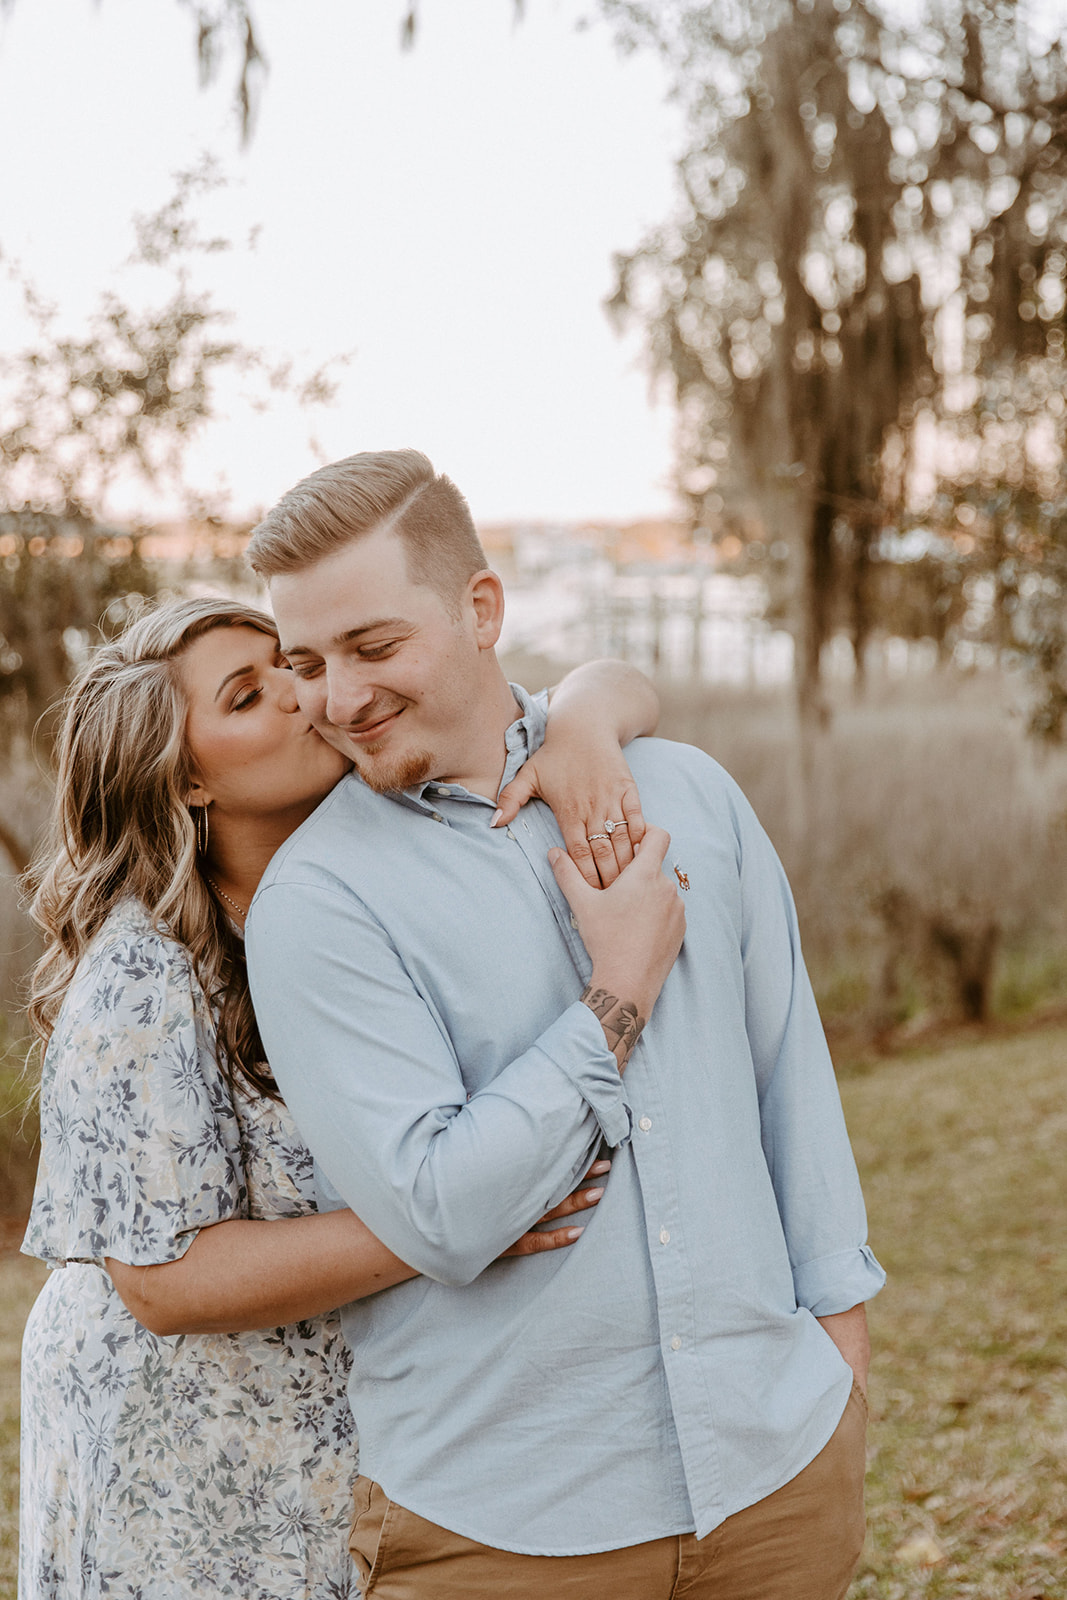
468,1532
806,1458
701,1527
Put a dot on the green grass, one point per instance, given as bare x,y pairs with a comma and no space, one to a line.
961,1153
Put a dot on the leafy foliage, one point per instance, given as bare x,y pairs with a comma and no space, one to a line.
127,396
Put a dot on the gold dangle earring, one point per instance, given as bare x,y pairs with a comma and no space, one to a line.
202,833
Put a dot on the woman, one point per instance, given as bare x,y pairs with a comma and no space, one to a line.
207,1446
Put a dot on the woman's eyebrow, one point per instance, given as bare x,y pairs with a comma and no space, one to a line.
239,672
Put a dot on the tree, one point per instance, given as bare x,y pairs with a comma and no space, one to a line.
854,183
117,405
1002,490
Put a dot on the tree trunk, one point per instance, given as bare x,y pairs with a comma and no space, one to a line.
861,618
971,954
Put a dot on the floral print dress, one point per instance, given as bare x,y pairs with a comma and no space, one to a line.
166,1468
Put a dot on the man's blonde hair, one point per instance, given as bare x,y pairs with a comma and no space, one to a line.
394,489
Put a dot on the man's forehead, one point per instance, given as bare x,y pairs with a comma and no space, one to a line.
336,596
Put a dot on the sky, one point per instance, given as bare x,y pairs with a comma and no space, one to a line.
444,216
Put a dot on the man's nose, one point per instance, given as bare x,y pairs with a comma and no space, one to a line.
347,695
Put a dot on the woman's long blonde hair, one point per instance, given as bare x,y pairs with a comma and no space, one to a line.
121,825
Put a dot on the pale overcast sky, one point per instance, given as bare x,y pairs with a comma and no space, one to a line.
446,214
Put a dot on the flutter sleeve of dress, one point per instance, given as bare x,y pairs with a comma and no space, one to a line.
140,1143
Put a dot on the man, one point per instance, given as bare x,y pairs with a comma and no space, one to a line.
675,1405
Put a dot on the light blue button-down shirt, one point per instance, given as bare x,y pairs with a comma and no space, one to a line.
416,976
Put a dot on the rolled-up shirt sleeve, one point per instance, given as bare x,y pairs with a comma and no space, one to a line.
446,1180
805,1141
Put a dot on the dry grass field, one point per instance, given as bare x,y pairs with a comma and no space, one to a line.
962,1159
19,1281
961,1153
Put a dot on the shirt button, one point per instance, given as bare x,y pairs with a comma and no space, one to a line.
574,920
664,1236
509,833
442,788
644,1124
676,1343
437,817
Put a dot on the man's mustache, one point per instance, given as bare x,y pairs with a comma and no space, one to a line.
377,711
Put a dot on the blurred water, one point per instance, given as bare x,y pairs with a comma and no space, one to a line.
693,625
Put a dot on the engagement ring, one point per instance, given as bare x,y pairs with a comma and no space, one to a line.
609,827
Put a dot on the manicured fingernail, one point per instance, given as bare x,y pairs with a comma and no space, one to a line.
598,1167
592,1194
554,854
574,1233
497,814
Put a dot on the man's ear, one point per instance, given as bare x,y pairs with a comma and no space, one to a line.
485,595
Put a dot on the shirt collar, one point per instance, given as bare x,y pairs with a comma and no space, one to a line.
526,734
522,739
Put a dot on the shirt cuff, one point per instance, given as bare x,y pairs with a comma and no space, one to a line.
830,1284
575,1044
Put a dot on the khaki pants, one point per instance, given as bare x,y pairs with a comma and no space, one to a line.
800,1543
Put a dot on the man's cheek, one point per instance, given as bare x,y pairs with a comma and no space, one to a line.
334,737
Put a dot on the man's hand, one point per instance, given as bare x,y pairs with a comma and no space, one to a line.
848,1330
632,931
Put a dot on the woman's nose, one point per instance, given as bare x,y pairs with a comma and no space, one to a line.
286,690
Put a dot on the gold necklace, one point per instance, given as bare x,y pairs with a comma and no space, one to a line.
240,910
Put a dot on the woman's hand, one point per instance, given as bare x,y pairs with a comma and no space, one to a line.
581,772
585,779
580,1199
633,932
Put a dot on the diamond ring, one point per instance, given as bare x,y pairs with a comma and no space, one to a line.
609,827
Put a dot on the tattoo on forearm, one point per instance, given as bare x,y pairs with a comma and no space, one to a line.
619,1019
626,1024
599,1001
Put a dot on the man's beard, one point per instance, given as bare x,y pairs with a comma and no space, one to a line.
390,774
